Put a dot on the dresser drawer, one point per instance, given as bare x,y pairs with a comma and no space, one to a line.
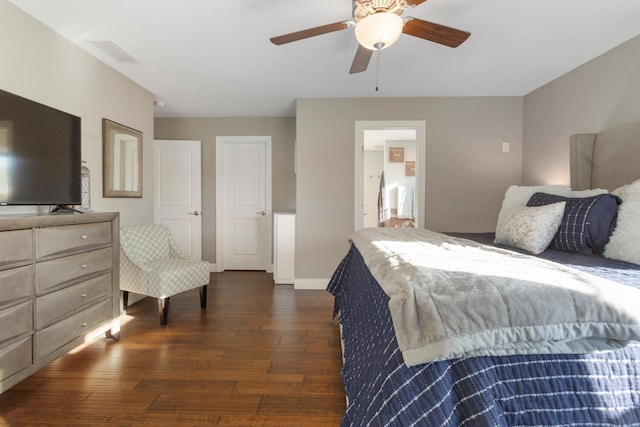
58,240
15,357
16,284
62,333
60,270
16,320
16,247
59,304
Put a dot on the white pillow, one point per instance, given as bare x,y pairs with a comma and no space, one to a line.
531,228
624,243
517,196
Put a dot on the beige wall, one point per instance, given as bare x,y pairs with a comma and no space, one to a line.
40,65
282,132
600,94
466,171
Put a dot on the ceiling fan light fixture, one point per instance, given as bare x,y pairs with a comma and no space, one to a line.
379,30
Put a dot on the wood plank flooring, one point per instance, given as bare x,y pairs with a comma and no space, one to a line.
259,355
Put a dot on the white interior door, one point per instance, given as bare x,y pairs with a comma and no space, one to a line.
243,200
178,192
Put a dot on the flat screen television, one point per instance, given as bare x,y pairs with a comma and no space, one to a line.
40,149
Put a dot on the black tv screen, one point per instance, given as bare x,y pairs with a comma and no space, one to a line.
40,151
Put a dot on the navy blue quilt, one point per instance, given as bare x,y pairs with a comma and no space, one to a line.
539,390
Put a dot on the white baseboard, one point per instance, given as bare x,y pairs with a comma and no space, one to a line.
213,268
310,283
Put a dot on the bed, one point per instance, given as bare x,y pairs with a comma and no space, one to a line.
488,329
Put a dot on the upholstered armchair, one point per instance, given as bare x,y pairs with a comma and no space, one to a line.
152,265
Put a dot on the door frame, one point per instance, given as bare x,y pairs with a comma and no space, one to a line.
420,126
221,141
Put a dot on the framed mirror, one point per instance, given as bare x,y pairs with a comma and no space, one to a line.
122,160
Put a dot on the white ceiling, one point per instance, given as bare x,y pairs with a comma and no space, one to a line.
213,58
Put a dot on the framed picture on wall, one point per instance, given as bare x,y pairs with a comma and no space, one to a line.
410,168
396,154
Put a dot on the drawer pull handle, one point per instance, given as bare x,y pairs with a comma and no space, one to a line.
84,324
83,237
83,295
83,266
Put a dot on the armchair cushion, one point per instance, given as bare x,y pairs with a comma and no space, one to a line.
166,277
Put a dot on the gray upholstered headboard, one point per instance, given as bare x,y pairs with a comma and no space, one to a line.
608,159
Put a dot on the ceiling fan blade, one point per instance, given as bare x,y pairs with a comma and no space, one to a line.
435,32
361,60
310,32
415,2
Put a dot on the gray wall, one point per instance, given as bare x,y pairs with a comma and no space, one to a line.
282,132
600,94
39,64
466,170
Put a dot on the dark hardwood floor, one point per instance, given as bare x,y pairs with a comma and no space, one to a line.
259,355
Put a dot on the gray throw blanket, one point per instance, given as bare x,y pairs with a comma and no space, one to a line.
452,297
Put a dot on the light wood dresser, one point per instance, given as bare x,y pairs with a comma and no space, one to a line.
59,283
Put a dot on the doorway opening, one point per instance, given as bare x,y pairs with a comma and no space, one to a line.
389,174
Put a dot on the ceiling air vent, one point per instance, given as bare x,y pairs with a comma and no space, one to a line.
110,48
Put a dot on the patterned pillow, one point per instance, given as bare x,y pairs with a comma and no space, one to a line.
531,228
518,195
586,224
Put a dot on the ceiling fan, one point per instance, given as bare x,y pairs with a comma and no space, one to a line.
378,24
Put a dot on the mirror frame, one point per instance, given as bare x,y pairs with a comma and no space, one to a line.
109,130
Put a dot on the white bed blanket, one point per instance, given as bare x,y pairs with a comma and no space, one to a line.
452,297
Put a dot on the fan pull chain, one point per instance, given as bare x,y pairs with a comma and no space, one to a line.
378,47
377,69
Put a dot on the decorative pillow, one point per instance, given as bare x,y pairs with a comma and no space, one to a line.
586,224
531,228
624,244
517,196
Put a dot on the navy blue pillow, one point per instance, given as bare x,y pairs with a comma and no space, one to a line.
586,224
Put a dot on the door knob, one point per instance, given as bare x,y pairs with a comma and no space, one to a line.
260,213
196,213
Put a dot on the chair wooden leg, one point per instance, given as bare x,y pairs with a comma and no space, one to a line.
203,296
163,308
125,301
